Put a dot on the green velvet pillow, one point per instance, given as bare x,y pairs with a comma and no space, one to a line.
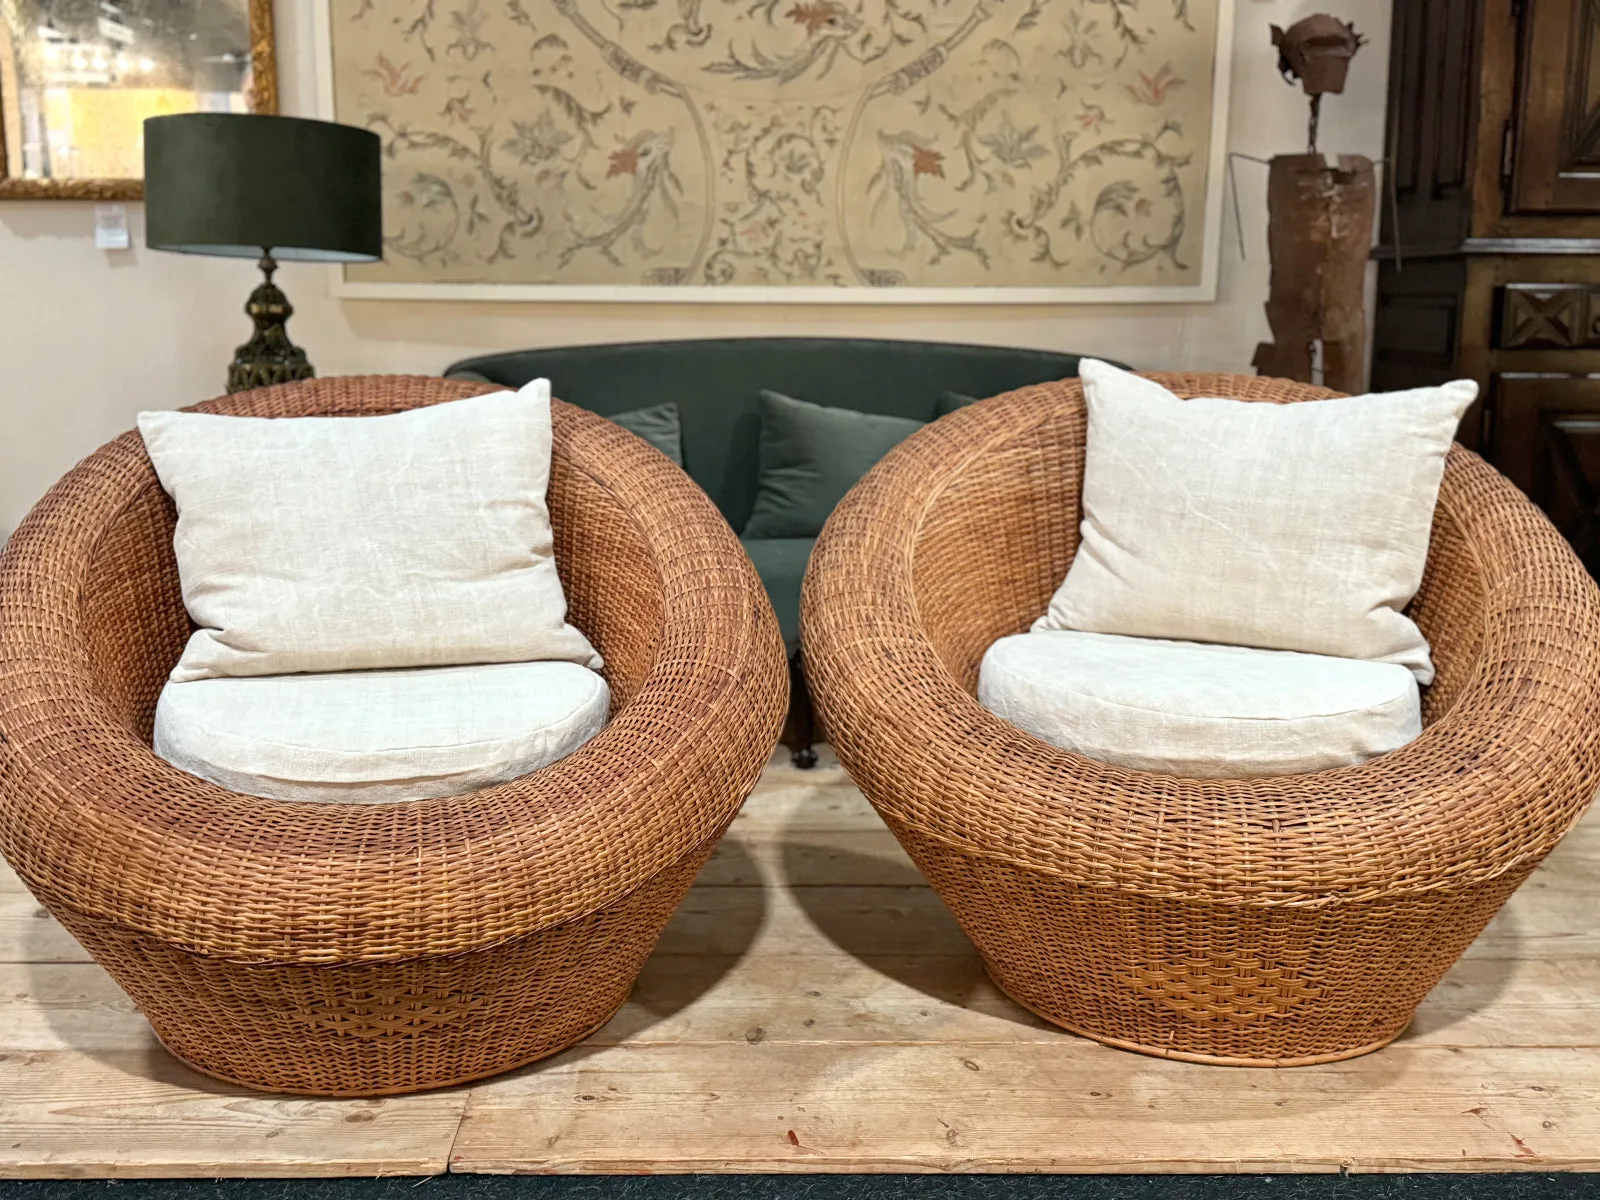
950,401
660,426
810,456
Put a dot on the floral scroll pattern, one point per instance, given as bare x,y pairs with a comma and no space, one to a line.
785,143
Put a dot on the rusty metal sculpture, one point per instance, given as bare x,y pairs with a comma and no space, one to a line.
1319,225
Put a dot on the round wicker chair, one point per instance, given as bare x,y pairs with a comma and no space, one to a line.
1269,922
371,949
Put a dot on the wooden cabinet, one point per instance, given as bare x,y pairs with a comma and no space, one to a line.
1552,145
1548,444
1492,268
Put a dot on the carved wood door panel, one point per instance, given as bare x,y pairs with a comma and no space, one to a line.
1432,117
1559,316
1547,441
1556,139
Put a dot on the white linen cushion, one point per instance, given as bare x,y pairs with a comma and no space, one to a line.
1198,710
1287,526
414,539
361,737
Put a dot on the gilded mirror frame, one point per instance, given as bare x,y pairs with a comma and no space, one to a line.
263,99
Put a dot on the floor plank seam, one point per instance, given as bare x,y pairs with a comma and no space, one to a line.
449,1166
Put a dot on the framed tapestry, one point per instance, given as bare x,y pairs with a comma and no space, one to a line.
788,150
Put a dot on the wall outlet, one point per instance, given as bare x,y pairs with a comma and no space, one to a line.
111,227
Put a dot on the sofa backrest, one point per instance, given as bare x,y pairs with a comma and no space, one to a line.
715,383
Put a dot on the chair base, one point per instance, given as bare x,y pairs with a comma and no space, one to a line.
432,1085
390,1029
1210,1060
386,1028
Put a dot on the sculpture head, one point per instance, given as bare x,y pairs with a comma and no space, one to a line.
1317,51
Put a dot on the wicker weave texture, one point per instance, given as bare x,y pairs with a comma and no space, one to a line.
1272,921
365,949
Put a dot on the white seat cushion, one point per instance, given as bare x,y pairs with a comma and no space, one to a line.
1198,710
361,737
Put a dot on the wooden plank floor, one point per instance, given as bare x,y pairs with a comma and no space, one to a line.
813,1007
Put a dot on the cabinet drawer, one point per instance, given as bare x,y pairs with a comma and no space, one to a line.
1560,316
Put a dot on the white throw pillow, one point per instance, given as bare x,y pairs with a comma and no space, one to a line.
367,737
1196,710
415,539
1287,526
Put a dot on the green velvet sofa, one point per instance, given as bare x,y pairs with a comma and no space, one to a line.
716,384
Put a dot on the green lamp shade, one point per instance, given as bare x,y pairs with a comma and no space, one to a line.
235,184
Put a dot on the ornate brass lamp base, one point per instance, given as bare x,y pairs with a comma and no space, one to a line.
269,356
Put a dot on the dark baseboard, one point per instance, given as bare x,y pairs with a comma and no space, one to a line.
1513,1186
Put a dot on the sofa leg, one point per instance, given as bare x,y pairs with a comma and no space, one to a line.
799,732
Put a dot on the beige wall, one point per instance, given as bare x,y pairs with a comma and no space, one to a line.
89,337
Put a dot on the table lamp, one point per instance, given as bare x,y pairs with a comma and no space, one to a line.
247,185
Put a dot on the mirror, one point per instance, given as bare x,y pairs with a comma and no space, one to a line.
79,77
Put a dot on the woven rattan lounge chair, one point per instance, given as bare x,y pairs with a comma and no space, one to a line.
365,949
1277,921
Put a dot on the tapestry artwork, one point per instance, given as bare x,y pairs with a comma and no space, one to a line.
822,144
